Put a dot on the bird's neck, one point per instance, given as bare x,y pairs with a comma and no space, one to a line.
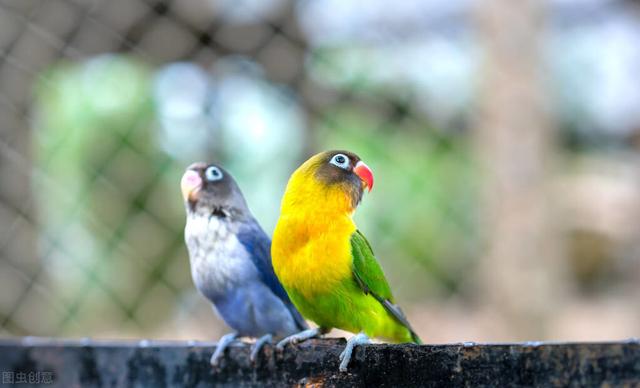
306,197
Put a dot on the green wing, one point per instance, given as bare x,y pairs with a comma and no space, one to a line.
370,278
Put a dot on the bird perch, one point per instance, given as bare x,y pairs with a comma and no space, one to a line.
315,363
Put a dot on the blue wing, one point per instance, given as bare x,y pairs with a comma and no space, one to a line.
256,242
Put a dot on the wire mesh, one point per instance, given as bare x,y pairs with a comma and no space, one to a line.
91,239
103,103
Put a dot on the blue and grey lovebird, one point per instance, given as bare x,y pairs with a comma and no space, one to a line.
230,259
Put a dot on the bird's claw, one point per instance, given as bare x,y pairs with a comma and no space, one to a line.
260,342
221,346
298,337
291,340
345,356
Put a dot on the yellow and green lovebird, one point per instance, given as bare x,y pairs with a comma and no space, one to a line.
325,263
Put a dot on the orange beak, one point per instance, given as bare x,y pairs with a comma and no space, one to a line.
190,184
365,174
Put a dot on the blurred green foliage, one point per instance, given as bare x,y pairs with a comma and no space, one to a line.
422,208
110,205
106,192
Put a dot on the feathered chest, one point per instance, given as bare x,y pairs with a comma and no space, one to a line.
312,256
218,259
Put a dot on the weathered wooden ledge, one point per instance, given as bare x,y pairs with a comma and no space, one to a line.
315,363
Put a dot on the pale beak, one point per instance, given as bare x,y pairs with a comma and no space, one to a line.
365,174
190,184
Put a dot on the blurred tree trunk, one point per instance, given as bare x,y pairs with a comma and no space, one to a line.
519,273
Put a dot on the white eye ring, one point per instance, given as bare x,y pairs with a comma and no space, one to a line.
213,173
340,160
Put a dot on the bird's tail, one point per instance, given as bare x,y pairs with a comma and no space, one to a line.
415,338
401,318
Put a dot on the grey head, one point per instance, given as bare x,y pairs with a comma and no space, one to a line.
216,211
209,190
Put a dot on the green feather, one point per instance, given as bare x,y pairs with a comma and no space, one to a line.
361,302
369,276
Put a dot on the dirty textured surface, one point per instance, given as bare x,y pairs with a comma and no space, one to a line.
315,363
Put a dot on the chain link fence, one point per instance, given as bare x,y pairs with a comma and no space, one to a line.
104,103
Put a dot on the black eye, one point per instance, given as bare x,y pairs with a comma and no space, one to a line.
213,173
340,160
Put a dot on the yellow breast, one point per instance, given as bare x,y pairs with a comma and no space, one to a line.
311,256
311,249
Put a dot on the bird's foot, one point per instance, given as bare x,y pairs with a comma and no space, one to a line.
345,356
299,337
221,346
260,342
